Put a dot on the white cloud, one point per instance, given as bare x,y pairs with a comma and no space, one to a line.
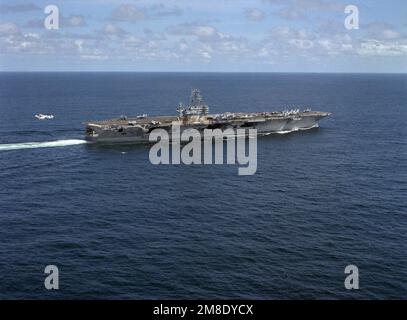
128,13
205,54
206,40
194,29
8,28
301,43
382,48
254,14
381,31
94,56
111,29
74,21
154,35
390,34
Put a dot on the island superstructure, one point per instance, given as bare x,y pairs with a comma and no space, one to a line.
196,115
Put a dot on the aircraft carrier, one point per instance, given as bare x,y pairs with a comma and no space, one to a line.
196,115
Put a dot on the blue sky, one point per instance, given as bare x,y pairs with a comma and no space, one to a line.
210,35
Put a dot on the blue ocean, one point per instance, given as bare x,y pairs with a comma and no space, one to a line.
119,227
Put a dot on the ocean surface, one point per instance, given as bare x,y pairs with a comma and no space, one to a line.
119,227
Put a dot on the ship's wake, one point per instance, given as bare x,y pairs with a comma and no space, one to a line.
297,129
46,144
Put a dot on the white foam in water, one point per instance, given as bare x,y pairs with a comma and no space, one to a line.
297,129
34,145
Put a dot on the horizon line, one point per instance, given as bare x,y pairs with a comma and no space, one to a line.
260,72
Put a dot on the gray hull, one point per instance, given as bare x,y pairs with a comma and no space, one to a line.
196,116
131,134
